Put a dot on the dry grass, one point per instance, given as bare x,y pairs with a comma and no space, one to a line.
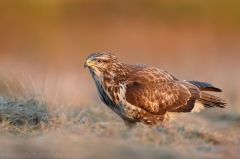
36,128
92,132
19,112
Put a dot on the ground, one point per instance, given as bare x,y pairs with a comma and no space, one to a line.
94,131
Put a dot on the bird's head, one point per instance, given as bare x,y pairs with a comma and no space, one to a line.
98,62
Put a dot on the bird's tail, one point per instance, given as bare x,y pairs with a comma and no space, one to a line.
210,101
201,99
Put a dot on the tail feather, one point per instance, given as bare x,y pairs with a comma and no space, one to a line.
210,101
200,99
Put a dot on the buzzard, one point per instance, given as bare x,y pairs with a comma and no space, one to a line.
146,94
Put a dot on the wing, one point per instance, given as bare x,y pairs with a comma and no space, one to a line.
157,92
204,86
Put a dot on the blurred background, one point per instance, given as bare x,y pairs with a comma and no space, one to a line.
44,44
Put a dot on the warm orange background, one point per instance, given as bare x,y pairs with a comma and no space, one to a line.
50,40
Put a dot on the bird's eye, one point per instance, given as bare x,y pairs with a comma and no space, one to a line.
99,60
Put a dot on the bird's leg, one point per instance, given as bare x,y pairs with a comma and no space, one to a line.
129,124
165,121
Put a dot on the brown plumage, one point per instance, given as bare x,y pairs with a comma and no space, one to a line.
140,93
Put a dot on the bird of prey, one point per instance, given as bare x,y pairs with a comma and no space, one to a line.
146,94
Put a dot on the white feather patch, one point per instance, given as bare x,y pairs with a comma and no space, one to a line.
172,115
197,107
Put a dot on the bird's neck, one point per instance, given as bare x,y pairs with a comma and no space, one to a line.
111,76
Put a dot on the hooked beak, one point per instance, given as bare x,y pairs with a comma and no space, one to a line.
87,64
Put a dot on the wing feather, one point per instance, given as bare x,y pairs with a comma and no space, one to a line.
204,86
158,92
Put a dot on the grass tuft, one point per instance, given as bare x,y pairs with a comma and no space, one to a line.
21,112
